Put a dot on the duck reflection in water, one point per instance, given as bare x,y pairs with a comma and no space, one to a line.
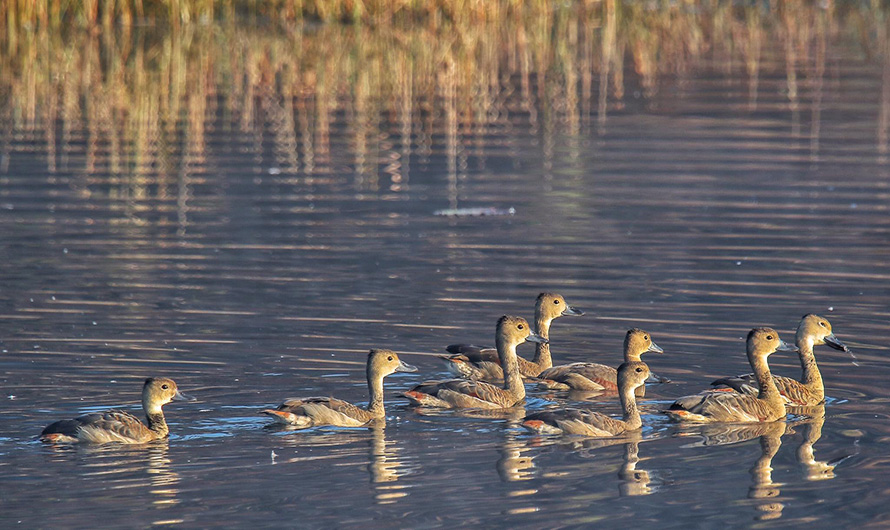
385,465
163,479
634,482
763,491
811,426
124,467
515,464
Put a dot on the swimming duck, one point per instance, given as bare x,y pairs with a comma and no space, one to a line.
812,330
481,364
314,411
736,407
463,393
595,376
117,425
631,375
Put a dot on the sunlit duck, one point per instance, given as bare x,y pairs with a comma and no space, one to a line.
595,376
588,423
316,411
736,407
813,330
463,393
482,364
120,426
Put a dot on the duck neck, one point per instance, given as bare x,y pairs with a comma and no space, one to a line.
512,377
629,406
631,355
154,415
375,389
811,375
542,351
765,382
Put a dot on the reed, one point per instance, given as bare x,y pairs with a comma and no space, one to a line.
141,102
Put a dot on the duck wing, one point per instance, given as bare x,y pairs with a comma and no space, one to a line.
474,353
462,366
582,376
576,422
722,407
461,393
793,391
314,411
113,426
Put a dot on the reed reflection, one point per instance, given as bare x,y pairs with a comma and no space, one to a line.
146,102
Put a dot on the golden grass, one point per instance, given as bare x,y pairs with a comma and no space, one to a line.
144,96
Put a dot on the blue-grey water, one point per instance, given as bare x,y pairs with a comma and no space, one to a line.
249,209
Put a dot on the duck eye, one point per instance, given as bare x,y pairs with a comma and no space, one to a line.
389,358
769,337
645,337
639,369
556,302
165,387
520,326
822,324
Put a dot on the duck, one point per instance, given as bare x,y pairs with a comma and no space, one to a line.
595,376
119,426
481,363
631,375
303,413
813,330
511,331
735,407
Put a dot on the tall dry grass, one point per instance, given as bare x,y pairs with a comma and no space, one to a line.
140,102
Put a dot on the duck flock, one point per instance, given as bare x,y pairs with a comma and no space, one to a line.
496,378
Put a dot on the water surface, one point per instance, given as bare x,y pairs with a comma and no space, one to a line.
248,209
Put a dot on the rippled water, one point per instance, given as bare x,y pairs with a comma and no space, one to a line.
252,230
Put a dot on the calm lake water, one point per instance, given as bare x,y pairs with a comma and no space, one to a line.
248,210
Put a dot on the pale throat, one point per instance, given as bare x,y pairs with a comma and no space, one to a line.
152,408
375,388
542,351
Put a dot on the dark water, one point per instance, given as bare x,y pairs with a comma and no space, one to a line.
249,210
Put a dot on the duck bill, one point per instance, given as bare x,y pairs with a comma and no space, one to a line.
655,348
179,396
534,337
784,346
572,311
836,343
405,367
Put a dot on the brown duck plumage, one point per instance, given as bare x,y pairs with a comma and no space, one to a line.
735,407
631,375
595,376
315,411
482,364
813,330
461,393
117,425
